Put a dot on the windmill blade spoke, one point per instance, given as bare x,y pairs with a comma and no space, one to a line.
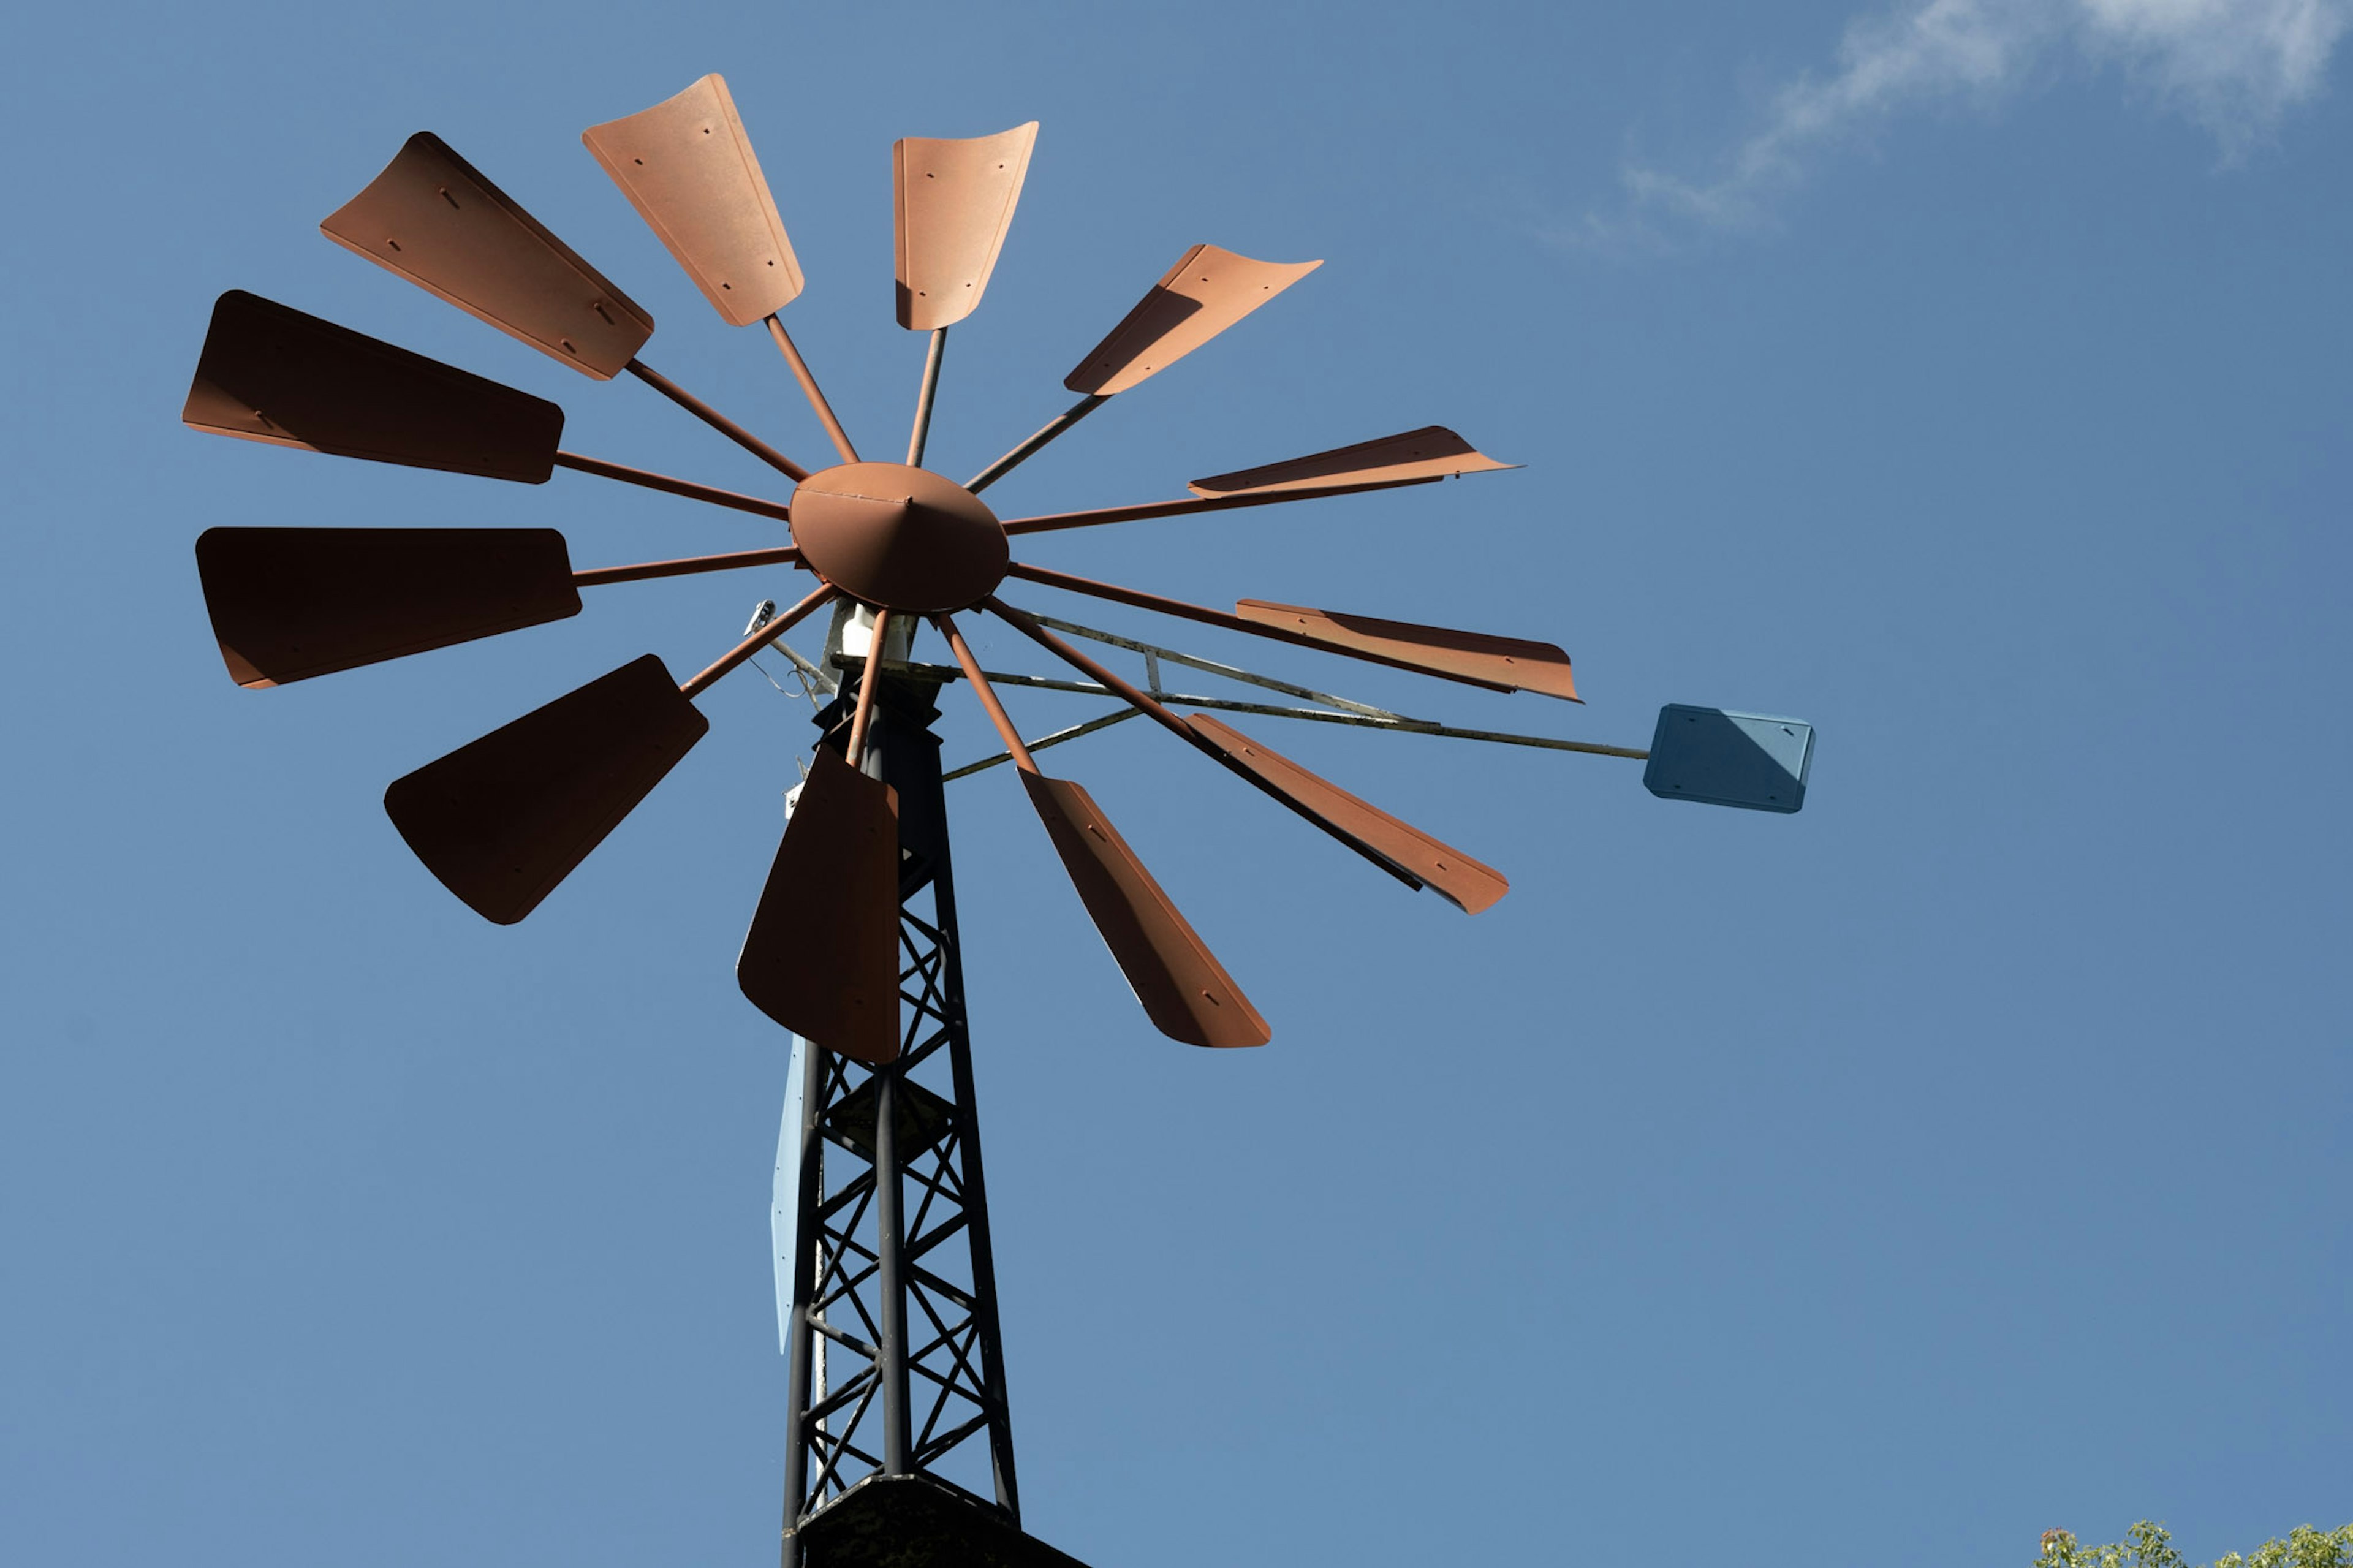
822,954
734,500
716,420
270,373
1161,604
287,603
1208,290
686,165
1053,522
502,820
953,200
1476,657
438,221
1467,884
1432,452
1184,990
686,566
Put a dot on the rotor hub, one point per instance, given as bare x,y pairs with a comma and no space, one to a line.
899,538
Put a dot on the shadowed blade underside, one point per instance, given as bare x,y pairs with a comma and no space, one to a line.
1513,662
1432,452
290,603
1184,990
502,820
686,165
434,219
822,955
1207,292
271,373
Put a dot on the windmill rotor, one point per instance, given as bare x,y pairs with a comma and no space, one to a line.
503,819
891,546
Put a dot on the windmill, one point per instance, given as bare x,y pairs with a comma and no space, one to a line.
873,993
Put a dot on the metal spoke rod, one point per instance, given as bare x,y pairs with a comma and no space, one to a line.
716,420
753,644
667,486
1016,458
686,566
1049,521
923,431
810,390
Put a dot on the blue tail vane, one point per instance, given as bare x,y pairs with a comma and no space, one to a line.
1753,761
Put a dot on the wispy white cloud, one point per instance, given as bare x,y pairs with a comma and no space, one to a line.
2234,65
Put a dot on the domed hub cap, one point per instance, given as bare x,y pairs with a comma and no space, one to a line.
900,538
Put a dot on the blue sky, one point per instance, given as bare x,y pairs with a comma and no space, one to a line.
1962,1157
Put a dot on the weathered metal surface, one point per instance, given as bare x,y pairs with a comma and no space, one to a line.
1466,883
290,603
1513,662
1432,452
502,820
688,167
438,222
1753,761
898,537
822,954
1184,990
270,373
953,201
1207,292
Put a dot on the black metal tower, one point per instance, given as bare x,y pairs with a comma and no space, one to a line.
901,1440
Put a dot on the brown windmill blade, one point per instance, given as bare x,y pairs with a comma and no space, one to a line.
822,954
271,373
953,199
438,222
1476,659
502,820
1183,988
1480,657
686,165
1432,452
1208,290
688,169
1466,883
290,603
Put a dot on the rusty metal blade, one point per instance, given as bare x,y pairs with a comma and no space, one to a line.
501,820
290,603
438,222
1432,452
822,955
1514,662
688,167
271,373
1184,990
1206,292
953,200
1465,883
